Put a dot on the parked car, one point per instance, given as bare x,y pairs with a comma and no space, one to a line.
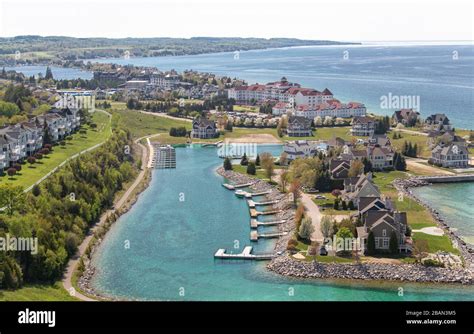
323,251
320,197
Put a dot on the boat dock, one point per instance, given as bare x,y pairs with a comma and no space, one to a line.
246,194
254,213
236,186
212,144
255,223
254,235
246,254
252,204
164,156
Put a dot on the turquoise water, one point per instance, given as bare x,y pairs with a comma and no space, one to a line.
455,202
443,84
172,243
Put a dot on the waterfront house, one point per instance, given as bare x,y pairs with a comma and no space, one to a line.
299,127
437,123
363,126
370,203
204,128
450,156
380,157
382,224
407,117
303,149
4,152
444,138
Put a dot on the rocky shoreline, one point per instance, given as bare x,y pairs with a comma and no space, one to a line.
404,186
287,266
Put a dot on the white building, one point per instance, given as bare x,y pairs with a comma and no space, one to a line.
303,149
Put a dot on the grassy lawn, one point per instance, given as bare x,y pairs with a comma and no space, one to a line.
420,140
436,243
333,259
37,292
30,174
327,206
244,108
384,180
259,175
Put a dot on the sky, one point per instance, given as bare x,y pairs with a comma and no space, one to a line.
341,20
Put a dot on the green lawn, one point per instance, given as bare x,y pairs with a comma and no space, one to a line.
327,205
333,259
420,140
436,243
30,174
37,292
244,108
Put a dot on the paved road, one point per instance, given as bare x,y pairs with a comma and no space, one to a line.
312,210
72,264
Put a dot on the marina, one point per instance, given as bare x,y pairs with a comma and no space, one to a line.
164,156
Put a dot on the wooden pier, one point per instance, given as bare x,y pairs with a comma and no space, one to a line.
246,254
236,186
255,223
254,235
254,213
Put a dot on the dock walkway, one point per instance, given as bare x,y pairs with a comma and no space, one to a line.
246,254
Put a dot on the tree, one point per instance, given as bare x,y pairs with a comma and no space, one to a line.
31,160
351,205
227,164
336,204
344,205
371,243
306,229
284,176
299,214
251,170
36,191
357,167
393,243
283,159
344,233
268,164
244,161
12,198
295,190
367,165
49,74
11,172
257,160
327,226
420,247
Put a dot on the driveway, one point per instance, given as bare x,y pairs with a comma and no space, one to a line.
312,210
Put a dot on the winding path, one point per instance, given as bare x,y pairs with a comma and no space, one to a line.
73,262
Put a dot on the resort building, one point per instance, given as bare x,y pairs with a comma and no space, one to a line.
450,156
298,127
168,81
204,128
331,108
407,117
363,126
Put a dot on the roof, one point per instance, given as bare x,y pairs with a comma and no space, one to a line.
363,119
365,203
437,119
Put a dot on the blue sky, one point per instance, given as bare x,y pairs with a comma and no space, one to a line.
350,20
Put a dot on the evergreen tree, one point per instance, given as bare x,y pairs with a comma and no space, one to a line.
244,161
393,243
49,74
227,164
371,243
257,160
251,170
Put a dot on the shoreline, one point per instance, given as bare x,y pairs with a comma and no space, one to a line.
83,282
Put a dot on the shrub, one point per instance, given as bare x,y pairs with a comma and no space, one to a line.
251,168
432,263
17,167
227,164
11,171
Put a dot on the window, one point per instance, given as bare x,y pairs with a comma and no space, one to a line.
384,232
385,242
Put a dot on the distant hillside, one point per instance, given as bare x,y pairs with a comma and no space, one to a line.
37,48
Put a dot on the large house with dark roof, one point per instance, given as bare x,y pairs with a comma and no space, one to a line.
298,127
204,128
357,187
383,224
407,117
437,123
339,168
